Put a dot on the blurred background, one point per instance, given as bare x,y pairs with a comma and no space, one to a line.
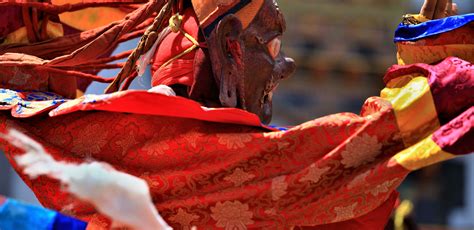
342,49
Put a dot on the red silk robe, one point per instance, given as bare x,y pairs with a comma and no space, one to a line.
219,168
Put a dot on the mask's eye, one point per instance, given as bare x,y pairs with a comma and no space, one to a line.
274,46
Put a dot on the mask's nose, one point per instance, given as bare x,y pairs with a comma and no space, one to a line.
288,67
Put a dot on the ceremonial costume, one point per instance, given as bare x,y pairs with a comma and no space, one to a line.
220,168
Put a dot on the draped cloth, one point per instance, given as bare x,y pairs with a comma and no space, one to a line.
432,41
220,168
210,169
69,60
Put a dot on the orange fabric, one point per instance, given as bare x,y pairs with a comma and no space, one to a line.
53,30
91,18
248,13
57,62
84,47
208,11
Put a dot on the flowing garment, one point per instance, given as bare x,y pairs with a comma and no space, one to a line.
220,168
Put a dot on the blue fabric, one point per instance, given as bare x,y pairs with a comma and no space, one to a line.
278,127
30,102
15,215
432,27
63,222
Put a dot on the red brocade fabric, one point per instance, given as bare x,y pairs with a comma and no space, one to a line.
230,176
219,168
376,219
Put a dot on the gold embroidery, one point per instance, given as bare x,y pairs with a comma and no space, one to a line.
239,176
360,150
232,215
344,213
382,188
234,141
279,187
314,174
358,180
156,149
184,218
152,183
126,143
156,146
89,141
280,141
270,212
192,137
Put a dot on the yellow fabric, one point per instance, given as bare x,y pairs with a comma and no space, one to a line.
422,154
418,18
53,30
411,54
89,18
413,105
403,210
